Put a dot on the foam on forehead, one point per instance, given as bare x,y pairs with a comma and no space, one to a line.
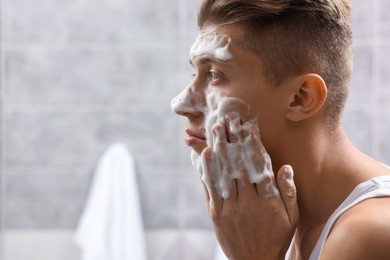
214,44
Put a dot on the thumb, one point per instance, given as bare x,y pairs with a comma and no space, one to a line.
288,191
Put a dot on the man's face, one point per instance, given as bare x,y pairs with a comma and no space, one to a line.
228,79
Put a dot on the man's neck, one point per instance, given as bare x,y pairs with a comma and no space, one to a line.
327,168
323,176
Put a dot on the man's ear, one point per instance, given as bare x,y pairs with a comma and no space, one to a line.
307,97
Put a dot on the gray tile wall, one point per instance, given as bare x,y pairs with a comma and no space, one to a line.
77,76
367,114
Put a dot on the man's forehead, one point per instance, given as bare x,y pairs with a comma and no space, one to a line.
207,33
214,42
234,31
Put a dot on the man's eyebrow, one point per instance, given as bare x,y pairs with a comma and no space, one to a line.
205,60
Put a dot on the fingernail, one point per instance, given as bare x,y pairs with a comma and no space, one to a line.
217,132
246,129
289,175
234,126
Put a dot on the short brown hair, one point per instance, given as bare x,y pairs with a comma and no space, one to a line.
293,37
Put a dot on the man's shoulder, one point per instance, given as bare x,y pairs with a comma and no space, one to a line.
363,232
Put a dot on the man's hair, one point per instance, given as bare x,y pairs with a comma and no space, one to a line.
294,37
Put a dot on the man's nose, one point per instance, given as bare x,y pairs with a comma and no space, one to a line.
188,103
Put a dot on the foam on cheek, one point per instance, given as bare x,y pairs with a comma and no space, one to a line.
218,107
235,158
242,157
213,44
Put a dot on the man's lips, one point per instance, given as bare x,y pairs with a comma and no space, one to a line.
193,138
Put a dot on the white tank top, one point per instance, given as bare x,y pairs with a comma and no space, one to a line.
374,188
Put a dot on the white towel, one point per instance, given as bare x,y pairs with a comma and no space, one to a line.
111,226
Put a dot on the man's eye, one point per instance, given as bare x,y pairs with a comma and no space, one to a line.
213,76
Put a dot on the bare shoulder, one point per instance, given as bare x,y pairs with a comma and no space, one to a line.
363,232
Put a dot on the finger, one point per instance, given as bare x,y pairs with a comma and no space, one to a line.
259,164
224,162
246,186
267,188
252,155
206,192
233,128
285,181
233,188
209,178
232,194
220,152
219,138
265,179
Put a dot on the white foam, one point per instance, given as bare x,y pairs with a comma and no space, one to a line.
196,162
234,159
213,44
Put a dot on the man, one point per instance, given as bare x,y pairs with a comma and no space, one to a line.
281,69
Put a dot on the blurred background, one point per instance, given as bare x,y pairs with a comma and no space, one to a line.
79,75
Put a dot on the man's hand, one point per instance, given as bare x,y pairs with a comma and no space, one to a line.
254,217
